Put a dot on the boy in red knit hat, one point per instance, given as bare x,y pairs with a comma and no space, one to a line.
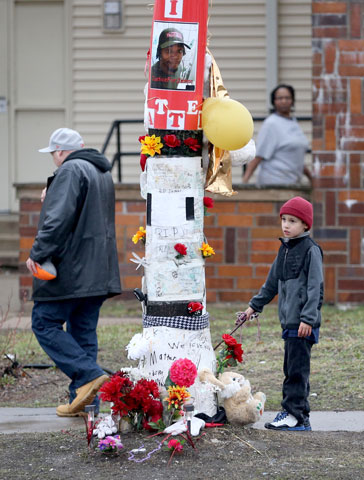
296,275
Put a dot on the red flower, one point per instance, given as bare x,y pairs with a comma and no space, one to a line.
174,444
181,249
154,413
229,340
171,141
195,307
115,388
132,399
238,352
183,372
192,143
141,138
143,161
208,202
155,408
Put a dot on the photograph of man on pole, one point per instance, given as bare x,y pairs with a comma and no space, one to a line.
174,55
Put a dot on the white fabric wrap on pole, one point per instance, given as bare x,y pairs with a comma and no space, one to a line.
170,180
169,344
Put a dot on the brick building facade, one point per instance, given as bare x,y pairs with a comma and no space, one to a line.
244,229
338,145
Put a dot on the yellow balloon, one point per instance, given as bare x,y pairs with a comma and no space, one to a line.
226,123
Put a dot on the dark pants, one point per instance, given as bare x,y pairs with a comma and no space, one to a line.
74,351
296,385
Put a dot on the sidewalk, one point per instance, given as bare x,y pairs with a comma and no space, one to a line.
23,322
27,420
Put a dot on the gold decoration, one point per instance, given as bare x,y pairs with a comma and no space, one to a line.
218,177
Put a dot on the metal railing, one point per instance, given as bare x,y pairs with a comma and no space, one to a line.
117,126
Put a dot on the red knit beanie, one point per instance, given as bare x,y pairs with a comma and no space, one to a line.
300,208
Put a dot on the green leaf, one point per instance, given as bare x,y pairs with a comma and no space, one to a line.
160,426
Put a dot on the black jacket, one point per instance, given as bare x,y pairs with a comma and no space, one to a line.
76,230
296,275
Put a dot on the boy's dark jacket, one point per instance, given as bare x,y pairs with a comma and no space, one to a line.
296,275
76,230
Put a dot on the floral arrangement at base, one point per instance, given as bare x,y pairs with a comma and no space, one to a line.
110,445
138,402
182,374
230,354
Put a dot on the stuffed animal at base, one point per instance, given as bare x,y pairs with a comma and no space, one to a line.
240,405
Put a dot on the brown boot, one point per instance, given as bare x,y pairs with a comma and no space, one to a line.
65,411
85,395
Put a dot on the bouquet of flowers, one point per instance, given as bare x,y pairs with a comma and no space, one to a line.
110,444
230,354
181,375
137,401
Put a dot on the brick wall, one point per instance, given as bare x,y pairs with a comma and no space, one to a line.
338,145
243,230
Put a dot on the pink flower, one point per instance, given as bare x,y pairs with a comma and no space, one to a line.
183,372
181,249
208,202
192,143
174,444
171,141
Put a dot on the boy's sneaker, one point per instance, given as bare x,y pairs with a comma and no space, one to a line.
285,421
307,424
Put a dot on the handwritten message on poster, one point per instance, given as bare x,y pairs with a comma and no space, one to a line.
169,344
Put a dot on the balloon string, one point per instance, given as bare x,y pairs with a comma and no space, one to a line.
147,457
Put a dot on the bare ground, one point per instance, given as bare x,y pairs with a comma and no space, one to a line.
226,452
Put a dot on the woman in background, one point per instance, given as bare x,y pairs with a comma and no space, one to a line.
281,144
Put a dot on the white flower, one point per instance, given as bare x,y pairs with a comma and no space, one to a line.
137,347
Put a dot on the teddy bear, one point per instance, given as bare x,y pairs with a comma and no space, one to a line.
241,407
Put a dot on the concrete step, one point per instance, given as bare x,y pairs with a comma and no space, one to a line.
9,223
9,240
9,258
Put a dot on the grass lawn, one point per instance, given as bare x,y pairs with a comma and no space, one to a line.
337,361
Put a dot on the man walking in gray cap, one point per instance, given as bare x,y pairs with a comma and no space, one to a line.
76,232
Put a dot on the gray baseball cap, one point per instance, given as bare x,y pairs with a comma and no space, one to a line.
64,139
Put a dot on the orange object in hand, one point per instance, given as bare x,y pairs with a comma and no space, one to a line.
46,271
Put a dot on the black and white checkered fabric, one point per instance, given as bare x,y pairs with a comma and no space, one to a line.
185,323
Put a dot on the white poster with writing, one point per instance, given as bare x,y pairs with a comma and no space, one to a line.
169,344
175,215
